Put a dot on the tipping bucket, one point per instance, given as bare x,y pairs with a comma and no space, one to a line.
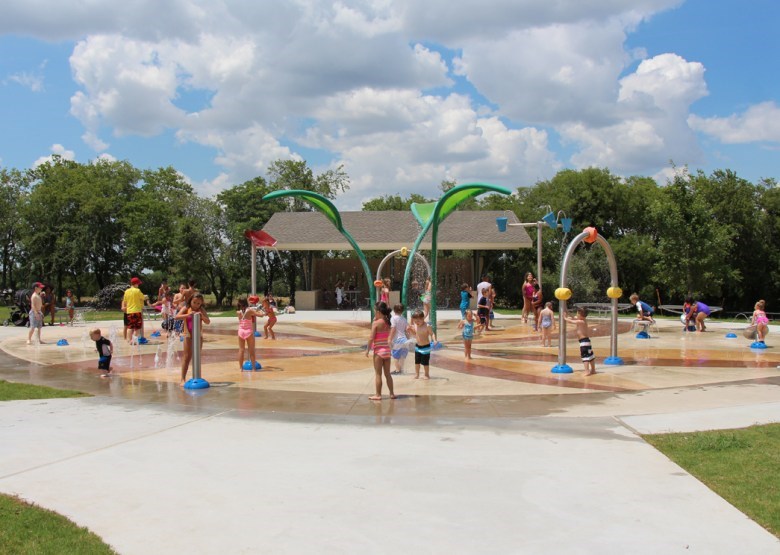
501,222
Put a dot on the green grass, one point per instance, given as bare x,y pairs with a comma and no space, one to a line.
16,391
742,466
25,528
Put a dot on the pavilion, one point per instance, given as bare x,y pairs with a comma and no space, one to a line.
387,231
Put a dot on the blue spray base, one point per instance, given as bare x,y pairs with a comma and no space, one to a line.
562,369
196,383
613,361
731,336
643,335
758,345
247,366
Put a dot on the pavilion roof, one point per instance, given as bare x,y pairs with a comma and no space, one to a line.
390,230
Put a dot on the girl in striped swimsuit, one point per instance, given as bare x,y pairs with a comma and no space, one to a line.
380,332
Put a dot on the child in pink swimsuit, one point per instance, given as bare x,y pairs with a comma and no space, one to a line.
246,333
760,320
380,332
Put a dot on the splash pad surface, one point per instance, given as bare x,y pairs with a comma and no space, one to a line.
318,366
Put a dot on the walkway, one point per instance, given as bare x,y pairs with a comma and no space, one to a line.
496,457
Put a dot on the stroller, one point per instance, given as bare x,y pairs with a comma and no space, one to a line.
20,313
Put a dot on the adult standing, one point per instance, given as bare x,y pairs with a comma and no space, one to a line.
133,307
36,312
484,296
49,302
528,295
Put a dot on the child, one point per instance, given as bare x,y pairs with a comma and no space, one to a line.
166,312
268,309
425,338
537,302
384,293
467,325
339,294
105,350
246,333
760,320
465,299
195,306
483,312
644,310
398,338
69,306
380,332
426,297
586,349
547,324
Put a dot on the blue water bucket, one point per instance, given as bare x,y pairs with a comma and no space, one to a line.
501,222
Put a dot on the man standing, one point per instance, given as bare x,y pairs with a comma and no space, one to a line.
36,313
133,307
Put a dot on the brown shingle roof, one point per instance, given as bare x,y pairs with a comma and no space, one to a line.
391,230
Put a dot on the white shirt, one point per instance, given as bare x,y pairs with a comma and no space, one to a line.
482,288
398,325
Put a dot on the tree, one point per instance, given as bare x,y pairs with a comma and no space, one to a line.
295,174
393,202
693,248
13,191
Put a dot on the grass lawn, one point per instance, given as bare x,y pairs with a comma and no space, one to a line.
13,391
742,466
25,528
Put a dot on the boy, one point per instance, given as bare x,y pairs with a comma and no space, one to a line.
105,350
398,339
644,310
422,351
586,349
36,313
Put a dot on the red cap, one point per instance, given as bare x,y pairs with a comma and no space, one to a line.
39,285
135,281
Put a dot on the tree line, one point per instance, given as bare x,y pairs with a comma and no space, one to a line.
87,226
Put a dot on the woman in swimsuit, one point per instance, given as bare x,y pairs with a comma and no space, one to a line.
380,332
195,306
760,320
246,333
528,295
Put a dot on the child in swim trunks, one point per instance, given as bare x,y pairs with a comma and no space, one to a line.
105,350
246,333
425,338
586,349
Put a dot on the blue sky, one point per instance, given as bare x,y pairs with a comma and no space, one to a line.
403,94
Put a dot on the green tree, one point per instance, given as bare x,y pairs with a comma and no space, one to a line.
295,174
13,191
393,202
693,248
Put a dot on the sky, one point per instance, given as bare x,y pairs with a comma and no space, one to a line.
404,94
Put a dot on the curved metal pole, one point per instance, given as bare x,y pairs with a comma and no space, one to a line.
408,269
613,279
562,308
396,252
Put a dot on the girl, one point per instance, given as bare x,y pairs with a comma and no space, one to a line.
380,333
528,294
268,309
195,306
760,320
69,306
384,293
547,324
537,303
246,333
467,325
167,312
426,298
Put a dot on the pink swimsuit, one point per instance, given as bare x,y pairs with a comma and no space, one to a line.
760,317
381,348
245,329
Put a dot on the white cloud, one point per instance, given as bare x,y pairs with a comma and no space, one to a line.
760,122
32,81
366,84
653,104
56,150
